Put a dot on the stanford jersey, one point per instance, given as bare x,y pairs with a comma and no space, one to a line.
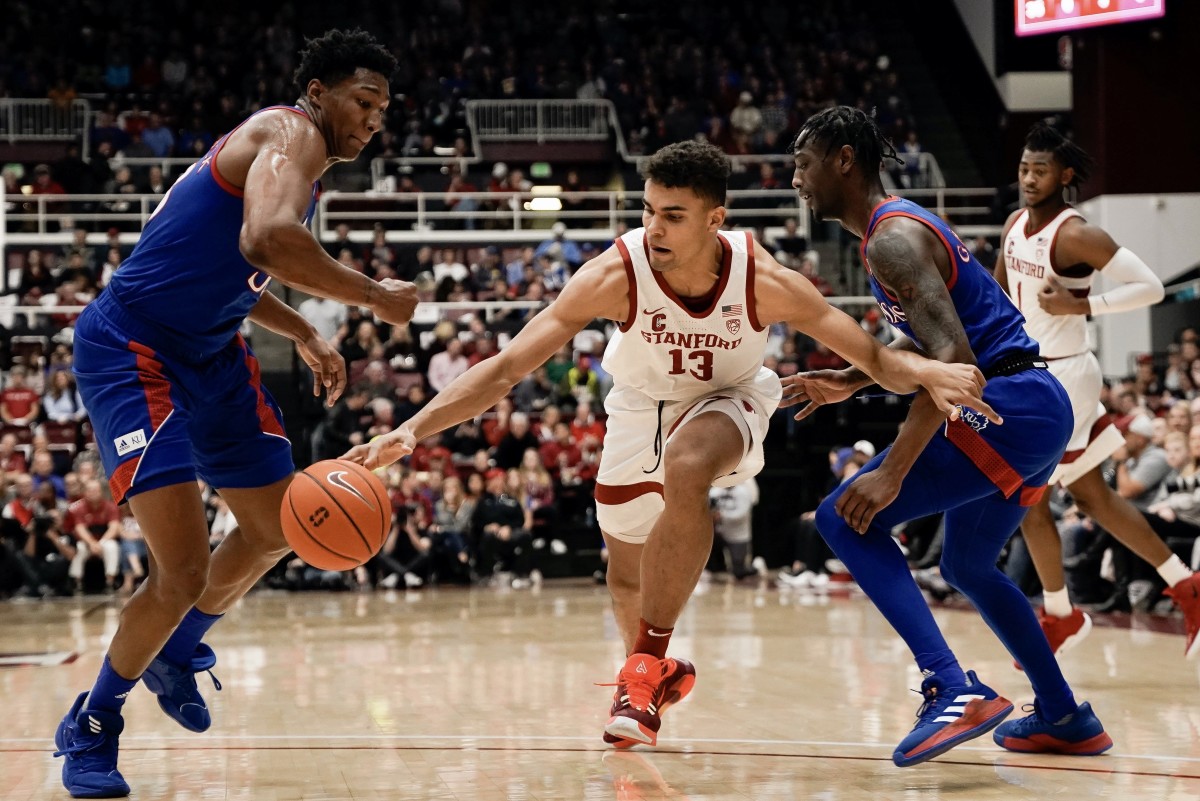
668,352
1029,260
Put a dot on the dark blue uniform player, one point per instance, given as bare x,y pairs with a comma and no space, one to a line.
175,393
982,475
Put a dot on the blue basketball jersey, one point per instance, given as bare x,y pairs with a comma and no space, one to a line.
187,280
994,326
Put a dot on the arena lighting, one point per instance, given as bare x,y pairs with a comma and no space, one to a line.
545,198
1047,16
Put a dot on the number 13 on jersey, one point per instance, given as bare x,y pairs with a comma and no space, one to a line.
700,363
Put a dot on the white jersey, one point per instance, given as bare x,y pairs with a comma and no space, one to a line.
1029,260
668,352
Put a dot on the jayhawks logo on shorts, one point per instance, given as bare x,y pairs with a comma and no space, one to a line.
972,418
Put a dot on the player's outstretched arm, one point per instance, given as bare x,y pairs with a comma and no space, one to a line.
599,289
274,238
788,296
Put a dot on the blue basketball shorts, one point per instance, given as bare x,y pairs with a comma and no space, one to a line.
160,419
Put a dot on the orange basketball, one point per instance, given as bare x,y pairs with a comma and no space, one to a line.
336,515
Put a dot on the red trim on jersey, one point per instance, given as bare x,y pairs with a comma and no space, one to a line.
267,420
627,260
1042,227
155,385
122,478
1098,428
615,495
984,456
751,305
950,250
233,189
1071,456
1073,270
722,281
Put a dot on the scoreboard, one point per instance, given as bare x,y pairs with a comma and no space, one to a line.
1050,16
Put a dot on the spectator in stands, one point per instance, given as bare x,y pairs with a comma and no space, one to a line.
36,280
910,152
12,459
449,265
155,183
42,471
1141,466
19,403
460,184
378,378
383,417
451,528
95,522
500,528
344,425
514,271
732,508
133,551
413,401
1179,418
535,391
61,403
822,358
44,183
158,137
65,294
873,324
581,380
325,315
33,532
79,246
518,439
364,344
559,248
746,119
448,365
584,425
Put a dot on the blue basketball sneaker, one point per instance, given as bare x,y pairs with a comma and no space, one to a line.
88,740
1079,734
175,686
949,716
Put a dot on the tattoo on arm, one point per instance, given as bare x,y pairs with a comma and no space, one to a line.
915,279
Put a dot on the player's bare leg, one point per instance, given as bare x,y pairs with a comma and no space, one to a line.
706,447
250,550
1118,516
624,581
176,533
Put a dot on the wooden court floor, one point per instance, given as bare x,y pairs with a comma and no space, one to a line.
489,694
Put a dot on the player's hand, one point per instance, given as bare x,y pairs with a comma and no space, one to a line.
1057,299
867,495
952,385
395,301
327,365
815,388
383,450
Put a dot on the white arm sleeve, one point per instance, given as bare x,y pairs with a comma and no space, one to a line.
1139,285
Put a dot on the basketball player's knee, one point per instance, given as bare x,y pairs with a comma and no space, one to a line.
829,523
181,584
689,470
622,582
964,573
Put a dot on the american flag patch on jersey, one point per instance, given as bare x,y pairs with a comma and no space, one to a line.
732,311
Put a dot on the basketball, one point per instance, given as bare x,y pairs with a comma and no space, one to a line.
336,515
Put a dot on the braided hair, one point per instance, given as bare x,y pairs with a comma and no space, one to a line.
337,54
844,125
1044,138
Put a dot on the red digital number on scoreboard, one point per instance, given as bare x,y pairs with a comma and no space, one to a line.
1048,16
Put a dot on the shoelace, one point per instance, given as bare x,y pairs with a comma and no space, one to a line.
77,748
640,689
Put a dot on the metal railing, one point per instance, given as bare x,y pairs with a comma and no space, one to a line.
540,120
40,120
475,216
512,216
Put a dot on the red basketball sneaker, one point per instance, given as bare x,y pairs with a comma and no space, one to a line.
1063,633
646,687
1186,595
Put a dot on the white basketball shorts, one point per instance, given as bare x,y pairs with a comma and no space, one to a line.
1090,443
629,487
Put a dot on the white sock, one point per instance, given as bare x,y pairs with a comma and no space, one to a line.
1057,603
1173,570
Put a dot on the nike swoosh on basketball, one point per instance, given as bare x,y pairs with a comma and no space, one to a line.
338,479
648,311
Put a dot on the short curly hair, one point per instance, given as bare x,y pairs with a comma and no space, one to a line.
699,166
337,54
